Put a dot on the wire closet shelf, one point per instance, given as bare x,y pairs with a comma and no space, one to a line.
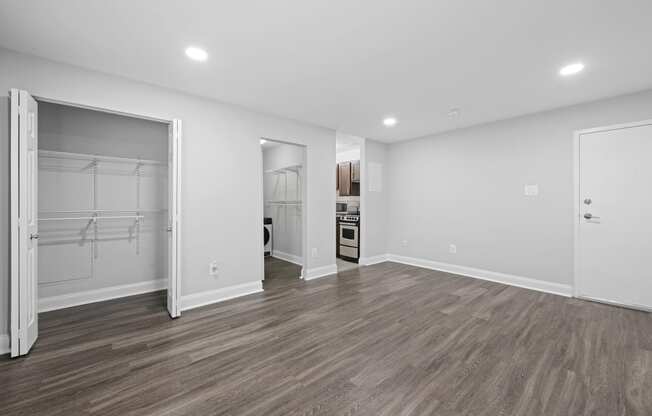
283,173
93,215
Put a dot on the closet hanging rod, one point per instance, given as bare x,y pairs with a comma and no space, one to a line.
284,202
52,154
294,168
94,218
74,211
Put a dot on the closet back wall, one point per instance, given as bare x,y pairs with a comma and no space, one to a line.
71,129
77,255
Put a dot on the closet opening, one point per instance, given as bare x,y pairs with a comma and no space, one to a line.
283,167
102,206
97,218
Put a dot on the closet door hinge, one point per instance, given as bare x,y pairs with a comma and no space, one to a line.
169,229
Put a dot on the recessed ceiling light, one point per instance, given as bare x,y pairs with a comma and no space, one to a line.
390,121
263,141
196,54
571,69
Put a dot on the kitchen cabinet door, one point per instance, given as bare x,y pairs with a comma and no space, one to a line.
337,176
355,171
344,169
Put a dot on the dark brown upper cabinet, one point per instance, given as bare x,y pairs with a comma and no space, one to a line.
348,178
344,170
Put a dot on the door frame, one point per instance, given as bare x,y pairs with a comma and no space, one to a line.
577,208
87,106
304,206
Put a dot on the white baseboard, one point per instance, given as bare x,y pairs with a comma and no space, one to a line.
288,257
4,344
507,279
322,271
197,300
368,261
97,295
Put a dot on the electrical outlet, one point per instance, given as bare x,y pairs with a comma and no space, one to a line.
314,252
212,268
452,248
404,243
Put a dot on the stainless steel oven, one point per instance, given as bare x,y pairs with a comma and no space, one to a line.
349,234
349,239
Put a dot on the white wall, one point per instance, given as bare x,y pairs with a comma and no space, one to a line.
374,202
72,256
70,129
286,219
346,155
466,187
221,170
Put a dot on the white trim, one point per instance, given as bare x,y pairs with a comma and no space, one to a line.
614,127
292,258
621,305
362,223
14,298
507,279
4,344
368,261
208,297
322,271
260,234
576,194
52,303
576,208
76,104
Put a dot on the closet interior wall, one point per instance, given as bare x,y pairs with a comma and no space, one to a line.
102,200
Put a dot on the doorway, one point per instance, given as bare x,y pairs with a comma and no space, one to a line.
94,209
612,208
284,225
348,173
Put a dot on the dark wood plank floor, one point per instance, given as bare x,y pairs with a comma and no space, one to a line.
280,273
387,339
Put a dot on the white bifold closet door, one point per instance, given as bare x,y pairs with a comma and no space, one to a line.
174,213
24,221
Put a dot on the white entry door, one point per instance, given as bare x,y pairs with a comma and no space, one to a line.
614,240
174,219
24,222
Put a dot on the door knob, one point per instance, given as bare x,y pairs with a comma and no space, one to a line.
590,216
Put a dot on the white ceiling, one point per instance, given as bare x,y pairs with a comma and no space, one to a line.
345,142
347,64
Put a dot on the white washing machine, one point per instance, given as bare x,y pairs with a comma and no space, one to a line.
267,235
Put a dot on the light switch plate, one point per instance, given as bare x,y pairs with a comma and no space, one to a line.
531,190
